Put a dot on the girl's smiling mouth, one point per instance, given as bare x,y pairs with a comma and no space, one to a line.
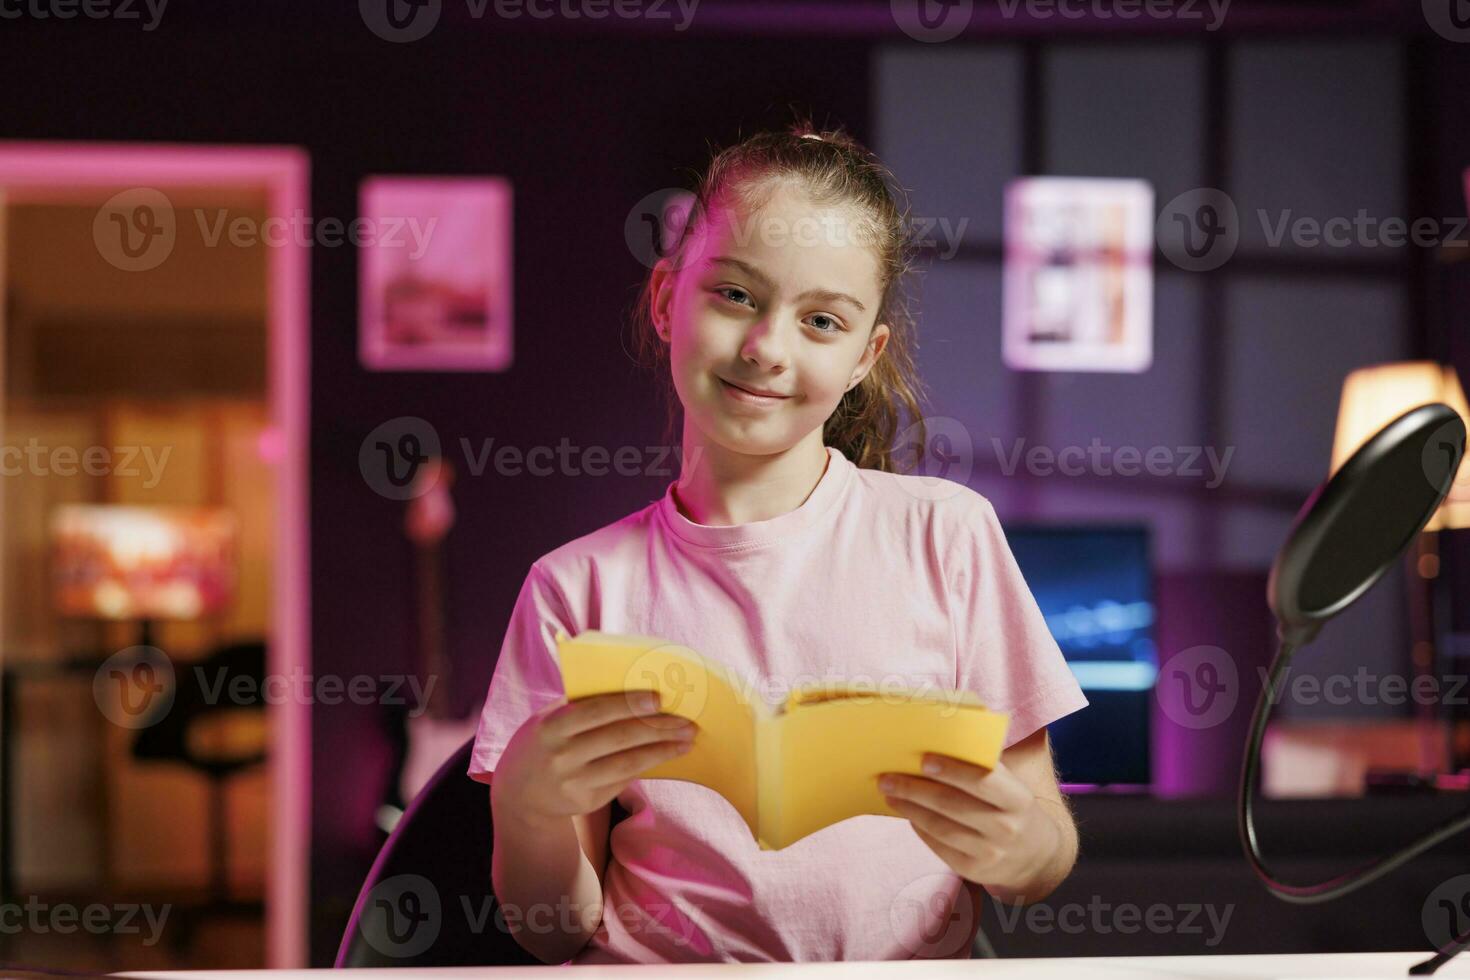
748,397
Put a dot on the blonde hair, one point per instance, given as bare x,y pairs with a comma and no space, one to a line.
832,169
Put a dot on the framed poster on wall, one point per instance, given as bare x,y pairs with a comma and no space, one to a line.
1078,274
435,274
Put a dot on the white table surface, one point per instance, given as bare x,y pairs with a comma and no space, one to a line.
1203,967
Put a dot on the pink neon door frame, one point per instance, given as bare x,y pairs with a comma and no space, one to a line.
35,169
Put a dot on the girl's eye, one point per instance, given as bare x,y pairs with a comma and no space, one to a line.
727,290
834,325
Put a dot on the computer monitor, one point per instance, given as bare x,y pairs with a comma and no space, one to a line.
1094,584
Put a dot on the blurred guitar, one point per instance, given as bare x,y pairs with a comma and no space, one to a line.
431,736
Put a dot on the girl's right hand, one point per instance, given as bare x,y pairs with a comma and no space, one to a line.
572,758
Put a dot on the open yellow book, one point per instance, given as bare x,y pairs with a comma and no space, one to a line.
796,768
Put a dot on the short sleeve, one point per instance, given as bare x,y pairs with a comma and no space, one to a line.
527,676
1006,654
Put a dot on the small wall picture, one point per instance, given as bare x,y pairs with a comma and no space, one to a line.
1078,275
434,274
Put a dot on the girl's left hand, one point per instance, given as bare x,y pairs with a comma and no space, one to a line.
986,824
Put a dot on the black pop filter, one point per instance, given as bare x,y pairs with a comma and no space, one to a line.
1358,523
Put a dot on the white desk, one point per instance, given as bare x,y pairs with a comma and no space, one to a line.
1205,967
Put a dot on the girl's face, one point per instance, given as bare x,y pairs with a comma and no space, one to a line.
780,301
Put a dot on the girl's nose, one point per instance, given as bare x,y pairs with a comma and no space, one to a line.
765,342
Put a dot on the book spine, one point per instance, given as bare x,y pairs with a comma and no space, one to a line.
768,780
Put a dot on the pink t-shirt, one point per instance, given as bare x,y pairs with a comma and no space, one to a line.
879,577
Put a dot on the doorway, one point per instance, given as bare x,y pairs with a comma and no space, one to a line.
155,372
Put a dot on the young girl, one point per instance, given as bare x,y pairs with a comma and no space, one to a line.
790,551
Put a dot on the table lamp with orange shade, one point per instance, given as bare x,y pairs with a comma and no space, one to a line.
119,562
1371,397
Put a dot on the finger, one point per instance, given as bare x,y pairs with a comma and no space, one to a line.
624,766
959,806
958,835
999,787
619,736
590,712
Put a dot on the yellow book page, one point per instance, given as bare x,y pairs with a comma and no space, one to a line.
832,747
724,754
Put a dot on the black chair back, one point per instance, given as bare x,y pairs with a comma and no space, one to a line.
427,900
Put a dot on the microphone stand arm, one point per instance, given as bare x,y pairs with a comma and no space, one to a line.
1345,883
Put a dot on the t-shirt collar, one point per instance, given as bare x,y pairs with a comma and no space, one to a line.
829,489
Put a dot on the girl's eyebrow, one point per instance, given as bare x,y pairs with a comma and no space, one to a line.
825,295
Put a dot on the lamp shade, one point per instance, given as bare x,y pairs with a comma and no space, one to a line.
122,562
1374,396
